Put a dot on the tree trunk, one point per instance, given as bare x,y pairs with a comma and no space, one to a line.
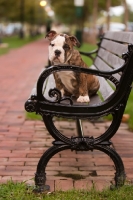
126,15
108,5
93,34
95,10
22,10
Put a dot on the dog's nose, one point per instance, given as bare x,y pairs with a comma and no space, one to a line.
57,52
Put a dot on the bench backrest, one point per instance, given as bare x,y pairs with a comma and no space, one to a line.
109,57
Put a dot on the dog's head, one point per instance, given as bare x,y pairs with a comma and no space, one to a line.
60,47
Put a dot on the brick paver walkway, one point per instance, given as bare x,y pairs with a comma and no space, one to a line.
22,141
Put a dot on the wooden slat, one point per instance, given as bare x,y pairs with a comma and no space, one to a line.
114,47
101,65
113,60
124,37
105,89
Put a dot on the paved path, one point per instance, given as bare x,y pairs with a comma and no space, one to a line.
22,141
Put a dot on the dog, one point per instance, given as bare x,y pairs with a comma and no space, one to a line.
62,51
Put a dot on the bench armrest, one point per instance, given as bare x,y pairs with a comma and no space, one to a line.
47,72
64,67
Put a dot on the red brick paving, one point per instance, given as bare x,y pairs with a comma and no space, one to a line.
22,141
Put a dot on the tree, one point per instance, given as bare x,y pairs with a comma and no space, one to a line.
95,13
126,15
65,10
130,15
8,9
22,10
108,5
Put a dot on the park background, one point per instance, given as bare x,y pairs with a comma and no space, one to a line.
86,18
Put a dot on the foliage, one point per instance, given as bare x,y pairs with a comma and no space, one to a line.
70,11
21,10
130,16
7,9
35,14
102,4
20,191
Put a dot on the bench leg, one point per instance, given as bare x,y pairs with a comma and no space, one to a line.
79,143
120,175
79,128
40,175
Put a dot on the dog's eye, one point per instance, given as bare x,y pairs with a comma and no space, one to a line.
51,44
66,46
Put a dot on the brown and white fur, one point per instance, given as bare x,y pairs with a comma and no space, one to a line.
61,51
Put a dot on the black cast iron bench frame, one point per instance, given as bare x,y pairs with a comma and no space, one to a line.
113,68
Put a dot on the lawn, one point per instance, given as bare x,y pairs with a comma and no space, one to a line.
20,191
15,42
87,48
129,110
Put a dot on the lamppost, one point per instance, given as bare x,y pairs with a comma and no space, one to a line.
22,3
50,13
79,14
43,3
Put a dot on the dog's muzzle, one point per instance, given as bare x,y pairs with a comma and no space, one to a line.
57,52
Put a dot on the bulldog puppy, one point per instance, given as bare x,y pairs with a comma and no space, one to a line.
61,51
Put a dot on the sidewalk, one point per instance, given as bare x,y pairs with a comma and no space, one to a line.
22,141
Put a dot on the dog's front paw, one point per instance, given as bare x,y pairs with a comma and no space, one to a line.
83,99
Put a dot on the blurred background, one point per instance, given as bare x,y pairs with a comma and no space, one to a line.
87,19
23,21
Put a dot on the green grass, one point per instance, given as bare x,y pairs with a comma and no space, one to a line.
33,116
129,110
87,48
16,42
20,191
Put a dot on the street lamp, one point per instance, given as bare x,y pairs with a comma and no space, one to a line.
79,2
79,14
43,3
79,8
22,10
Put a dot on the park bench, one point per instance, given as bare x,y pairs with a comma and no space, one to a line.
113,64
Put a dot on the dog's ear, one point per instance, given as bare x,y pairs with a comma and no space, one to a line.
51,35
75,41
